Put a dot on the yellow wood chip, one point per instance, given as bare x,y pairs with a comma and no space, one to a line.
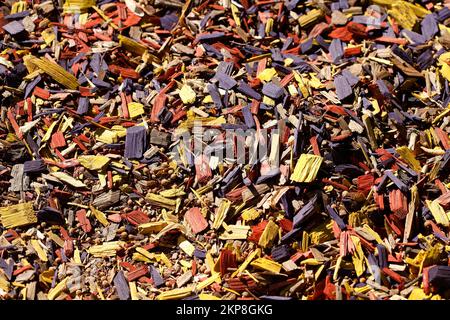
56,239
358,256
100,216
438,212
310,17
133,290
18,215
162,257
206,296
247,261
39,250
49,132
403,14
266,264
106,136
407,155
175,294
419,294
64,177
250,214
160,201
267,74
187,247
92,162
221,213
187,95
205,283
269,234
306,168
54,70
58,289
235,232
135,109
77,256
145,253
152,227
107,249
172,193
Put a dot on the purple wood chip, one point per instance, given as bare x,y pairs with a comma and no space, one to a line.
305,212
280,253
403,187
269,175
30,86
334,6
158,281
248,117
34,166
361,19
307,45
415,37
321,41
14,27
18,15
382,256
78,58
205,20
373,263
233,126
8,267
343,4
286,204
121,285
225,67
383,88
98,117
333,215
409,171
261,30
425,60
100,83
97,63
351,79
429,26
169,21
54,279
291,4
201,254
135,142
443,14
246,89
290,234
271,90
83,105
211,51
215,95
32,144
382,184
287,42
343,88
349,169
439,276
210,36
231,175
389,32
336,50
225,81
276,55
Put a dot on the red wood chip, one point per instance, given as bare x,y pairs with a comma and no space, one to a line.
196,220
